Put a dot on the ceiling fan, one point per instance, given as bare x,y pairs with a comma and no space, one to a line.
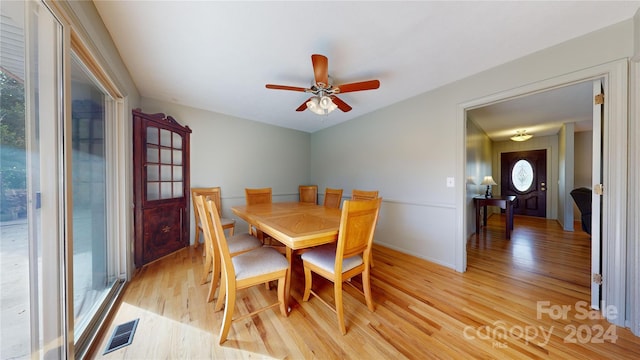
324,99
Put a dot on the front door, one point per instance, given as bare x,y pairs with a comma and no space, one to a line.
524,174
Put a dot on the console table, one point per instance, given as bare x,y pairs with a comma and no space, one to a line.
504,202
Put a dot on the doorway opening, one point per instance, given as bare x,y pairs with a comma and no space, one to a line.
540,171
615,155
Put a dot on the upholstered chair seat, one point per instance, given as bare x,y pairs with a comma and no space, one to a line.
257,262
240,243
325,258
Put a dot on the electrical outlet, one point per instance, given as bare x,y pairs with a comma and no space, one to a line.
450,182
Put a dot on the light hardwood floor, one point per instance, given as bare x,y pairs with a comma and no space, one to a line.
497,309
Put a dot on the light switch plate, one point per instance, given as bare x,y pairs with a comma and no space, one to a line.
450,182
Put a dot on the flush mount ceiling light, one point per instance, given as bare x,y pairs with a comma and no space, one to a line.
521,135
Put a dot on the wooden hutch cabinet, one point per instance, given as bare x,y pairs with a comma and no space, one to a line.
161,186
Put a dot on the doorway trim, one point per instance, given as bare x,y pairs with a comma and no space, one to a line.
634,203
614,146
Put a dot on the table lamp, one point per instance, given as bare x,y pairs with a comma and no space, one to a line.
488,180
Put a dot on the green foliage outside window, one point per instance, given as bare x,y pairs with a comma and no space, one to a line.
13,181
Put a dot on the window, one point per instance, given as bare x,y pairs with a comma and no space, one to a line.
522,175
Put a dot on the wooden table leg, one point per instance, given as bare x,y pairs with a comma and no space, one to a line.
477,219
287,282
509,219
484,215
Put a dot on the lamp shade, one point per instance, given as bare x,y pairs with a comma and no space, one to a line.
488,180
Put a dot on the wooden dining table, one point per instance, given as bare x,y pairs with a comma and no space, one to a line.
296,225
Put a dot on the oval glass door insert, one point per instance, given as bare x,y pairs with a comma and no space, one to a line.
522,175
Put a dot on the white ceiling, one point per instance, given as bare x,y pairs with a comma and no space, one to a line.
218,56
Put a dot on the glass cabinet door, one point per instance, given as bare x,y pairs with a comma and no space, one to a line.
164,164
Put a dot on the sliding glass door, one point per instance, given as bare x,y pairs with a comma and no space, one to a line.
32,289
92,277
61,243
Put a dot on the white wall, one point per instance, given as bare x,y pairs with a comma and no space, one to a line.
583,148
235,153
566,176
478,150
407,150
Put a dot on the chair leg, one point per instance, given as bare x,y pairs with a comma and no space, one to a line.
212,291
222,293
366,285
196,239
307,284
231,230
283,306
207,267
337,289
229,307
215,278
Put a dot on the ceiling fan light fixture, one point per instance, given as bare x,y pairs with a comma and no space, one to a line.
325,102
313,105
521,135
321,105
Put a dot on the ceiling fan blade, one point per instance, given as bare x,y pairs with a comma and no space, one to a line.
341,104
303,107
320,69
358,86
285,87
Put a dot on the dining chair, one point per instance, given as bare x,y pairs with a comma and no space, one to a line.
350,256
308,193
363,194
238,244
254,197
213,193
257,266
332,197
258,196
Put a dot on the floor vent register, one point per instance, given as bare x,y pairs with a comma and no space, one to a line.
122,336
